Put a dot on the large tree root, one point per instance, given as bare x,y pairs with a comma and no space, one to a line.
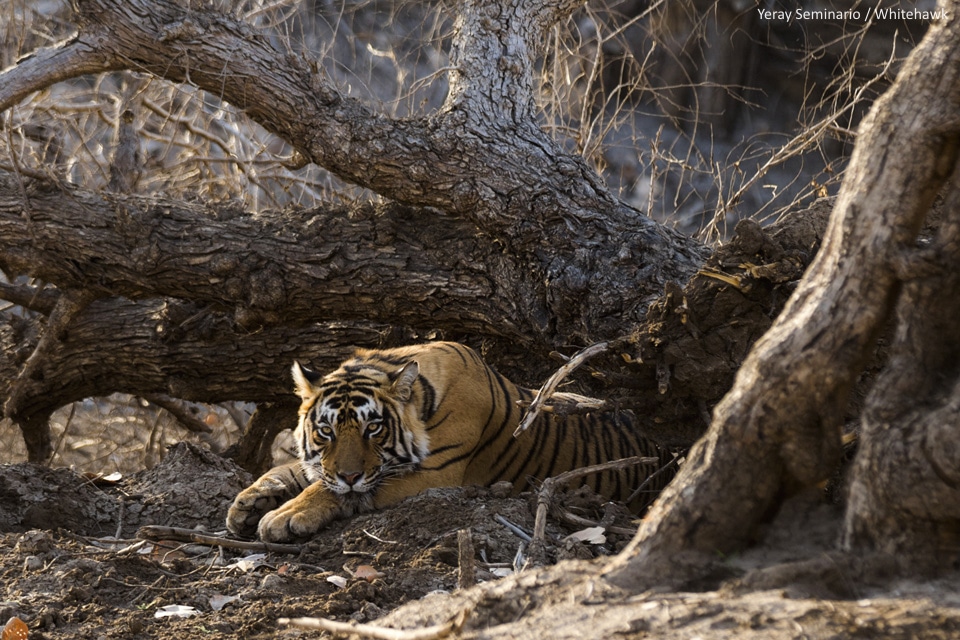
778,428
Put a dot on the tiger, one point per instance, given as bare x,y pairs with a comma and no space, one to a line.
389,424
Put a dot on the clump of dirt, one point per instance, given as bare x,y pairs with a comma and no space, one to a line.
68,575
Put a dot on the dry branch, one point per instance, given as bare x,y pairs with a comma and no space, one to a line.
466,565
547,493
186,419
155,532
380,633
550,386
68,306
33,298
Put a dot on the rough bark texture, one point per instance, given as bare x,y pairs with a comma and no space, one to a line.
781,420
904,496
481,157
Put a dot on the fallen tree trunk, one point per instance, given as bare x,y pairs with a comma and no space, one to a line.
682,356
588,260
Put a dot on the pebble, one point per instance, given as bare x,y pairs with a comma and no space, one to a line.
271,581
32,563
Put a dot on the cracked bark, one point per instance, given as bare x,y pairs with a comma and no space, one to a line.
785,409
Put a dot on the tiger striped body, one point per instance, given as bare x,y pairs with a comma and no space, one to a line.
389,424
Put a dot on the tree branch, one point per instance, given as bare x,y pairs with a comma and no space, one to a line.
593,259
265,268
77,56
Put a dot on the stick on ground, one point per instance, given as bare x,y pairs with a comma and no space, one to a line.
380,633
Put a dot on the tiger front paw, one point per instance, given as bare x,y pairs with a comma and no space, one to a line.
251,504
298,519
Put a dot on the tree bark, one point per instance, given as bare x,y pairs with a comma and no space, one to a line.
778,428
265,268
904,496
589,261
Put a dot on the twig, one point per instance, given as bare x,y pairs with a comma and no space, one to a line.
517,531
550,386
35,298
549,487
579,521
467,566
377,538
564,403
154,532
186,419
649,479
380,633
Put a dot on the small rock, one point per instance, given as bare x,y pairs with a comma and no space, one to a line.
501,489
32,563
271,581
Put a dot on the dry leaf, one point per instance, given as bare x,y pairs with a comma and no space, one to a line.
590,535
177,610
340,581
366,572
251,562
218,601
15,629
104,480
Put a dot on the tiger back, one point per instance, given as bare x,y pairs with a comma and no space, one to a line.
389,424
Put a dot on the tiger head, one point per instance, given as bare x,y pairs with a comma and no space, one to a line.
358,425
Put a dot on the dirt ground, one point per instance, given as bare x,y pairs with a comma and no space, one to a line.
72,566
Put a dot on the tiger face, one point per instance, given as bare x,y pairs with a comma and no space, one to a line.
356,428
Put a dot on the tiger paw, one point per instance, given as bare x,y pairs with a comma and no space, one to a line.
294,521
253,503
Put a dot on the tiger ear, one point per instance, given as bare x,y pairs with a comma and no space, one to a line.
403,379
304,378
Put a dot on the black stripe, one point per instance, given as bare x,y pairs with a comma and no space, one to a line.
491,376
428,401
541,432
511,444
559,431
457,349
446,463
439,422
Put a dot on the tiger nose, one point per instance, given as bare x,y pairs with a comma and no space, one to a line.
350,478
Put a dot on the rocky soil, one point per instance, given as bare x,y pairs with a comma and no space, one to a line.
72,565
